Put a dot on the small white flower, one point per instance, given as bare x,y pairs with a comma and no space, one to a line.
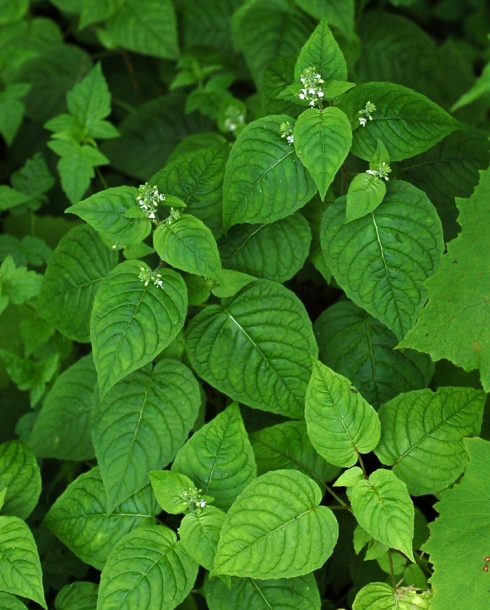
381,171
148,198
312,90
365,114
287,132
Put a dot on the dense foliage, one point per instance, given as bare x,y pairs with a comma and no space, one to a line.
244,304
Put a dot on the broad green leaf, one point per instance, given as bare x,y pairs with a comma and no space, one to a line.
382,260
106,213
277,77
322,139
219,458
422,436
17,284
365,194
480,88
231,282
339,13
275,529
10,198
77,596
90,99
33,178
62,429
453,324
30,374
206,23
132,322
171,490
275,251
380,596
12,10
199,533
383,507
287,445
10,602
20,474
459,540
358,346
141,423
349,478
73,275
407,122
147,569
12,109
341,424
255,348
188,244
313,212
145,26
20,568
81,520
300,593
26,251
96,10
197,178
262,166
322,52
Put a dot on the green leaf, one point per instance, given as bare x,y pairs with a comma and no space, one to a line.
300,593
10,198
275,529
260,360
26,251
20,474
453,323
206,23
94,11
219,458
10,602
199,533
322,139
17,284
277,77
230,283
322,53
422,436
81,520
339,13
341,424
141,423
382,260
383,507
170,489
73,275
380,595
358,346
90,100
12,109
481,87
405,121
133,322
365,194
29,374
262,166
20,568
145,26
33,178
12,10
147,567
287,445
188,244
460,539
77,596
275,251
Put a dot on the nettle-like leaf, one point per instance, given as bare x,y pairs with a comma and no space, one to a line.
77,596
171,490
147,568
10,602
141,423
459,540
275,529
322,139
382,260
199,532
422,435
62,427
341,424
133,320
218,458
20,567
262,167
365,193
358,346
17,284
407,122
300,593
453,324
73,275
21,477
81,520
381,596
255,348
382,506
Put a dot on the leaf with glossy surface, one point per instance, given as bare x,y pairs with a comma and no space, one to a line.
73,275
255,348
77,596
365,193
422,436
380,596
219,458
275,529
169,489
147,569
10,602
133,322
262,166
382,260
199,533
341,424
20,474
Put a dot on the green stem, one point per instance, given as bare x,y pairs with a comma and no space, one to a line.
392,570
101,178
338,498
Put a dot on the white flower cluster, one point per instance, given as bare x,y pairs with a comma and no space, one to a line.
234,119
172,217
148,198
365,114
147,276
192,497
311,91
287,132
381,171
